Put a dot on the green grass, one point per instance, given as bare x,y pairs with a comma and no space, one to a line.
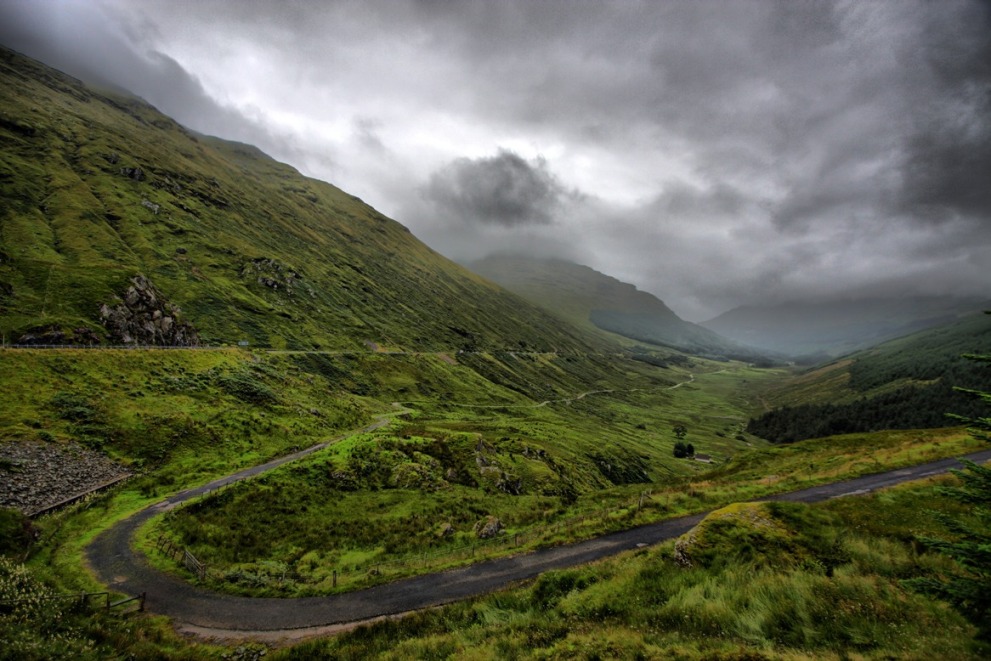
394,490
831,591
293,528
247,247
158,411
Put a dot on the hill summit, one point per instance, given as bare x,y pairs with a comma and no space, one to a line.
121,226
599,302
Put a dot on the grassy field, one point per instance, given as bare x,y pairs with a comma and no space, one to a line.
779,581
158,411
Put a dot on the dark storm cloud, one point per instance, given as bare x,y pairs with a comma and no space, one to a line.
504,189
715,153
947,167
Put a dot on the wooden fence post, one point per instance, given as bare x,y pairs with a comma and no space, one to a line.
141,602
335,578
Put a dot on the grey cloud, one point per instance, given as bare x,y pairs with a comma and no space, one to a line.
948,155
99,47
683,201
504,189
775,148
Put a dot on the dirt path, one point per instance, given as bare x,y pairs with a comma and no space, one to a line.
583,395
218,615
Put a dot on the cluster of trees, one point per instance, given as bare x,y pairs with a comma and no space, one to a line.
682,449
937,354
913,407
933,367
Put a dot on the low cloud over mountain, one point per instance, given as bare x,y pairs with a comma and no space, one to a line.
716,154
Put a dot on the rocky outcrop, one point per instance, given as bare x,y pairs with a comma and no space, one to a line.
36,475
491,527
275,275
143,316
137,174
54,334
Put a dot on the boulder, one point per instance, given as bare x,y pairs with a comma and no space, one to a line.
490,527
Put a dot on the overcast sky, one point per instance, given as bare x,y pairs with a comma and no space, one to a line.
712,153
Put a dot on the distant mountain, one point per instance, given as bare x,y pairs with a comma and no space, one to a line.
597,301
907,383
821,330
118,225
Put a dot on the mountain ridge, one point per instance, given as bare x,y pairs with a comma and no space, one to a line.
105,196
820,330
600,302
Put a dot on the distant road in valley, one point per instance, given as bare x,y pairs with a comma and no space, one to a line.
214,614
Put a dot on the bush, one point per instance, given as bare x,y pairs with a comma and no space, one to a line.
16,532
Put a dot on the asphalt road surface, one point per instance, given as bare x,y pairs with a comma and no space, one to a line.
125,570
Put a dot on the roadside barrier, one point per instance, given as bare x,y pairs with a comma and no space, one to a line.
85,600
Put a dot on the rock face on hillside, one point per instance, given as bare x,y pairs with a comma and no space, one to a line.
55,335
273,274
143,316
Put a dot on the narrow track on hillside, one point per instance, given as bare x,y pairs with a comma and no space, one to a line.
568,400
195,609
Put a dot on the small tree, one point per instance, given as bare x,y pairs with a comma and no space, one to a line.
680,431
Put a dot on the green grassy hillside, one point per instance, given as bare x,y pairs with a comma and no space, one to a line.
119,225
905,383
597,301
762,582
528,438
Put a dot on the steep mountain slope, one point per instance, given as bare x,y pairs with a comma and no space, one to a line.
820,330
905,383
118,225
594,300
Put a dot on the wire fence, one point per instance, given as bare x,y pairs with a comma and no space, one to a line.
84,600
182,554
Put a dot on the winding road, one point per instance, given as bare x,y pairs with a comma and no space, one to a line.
218,615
